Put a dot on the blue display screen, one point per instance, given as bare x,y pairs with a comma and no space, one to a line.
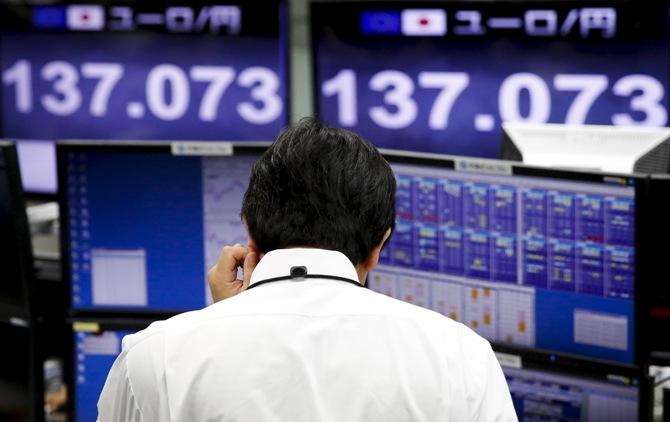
140,72
95,354
540,395
443,76
529,261
534,262
143,238
134,86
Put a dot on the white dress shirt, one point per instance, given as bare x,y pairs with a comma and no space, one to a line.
306,350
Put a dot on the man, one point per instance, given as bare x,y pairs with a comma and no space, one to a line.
298,338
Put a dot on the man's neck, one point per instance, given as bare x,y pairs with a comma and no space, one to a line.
360,270
362,274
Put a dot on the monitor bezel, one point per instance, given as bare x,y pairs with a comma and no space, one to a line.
64,147
18,308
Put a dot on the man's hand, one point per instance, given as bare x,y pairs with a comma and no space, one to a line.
222,277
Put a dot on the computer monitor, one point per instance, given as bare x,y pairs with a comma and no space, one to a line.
143,223
441,76
97,344
657,295
588,147
535,258
20,399
15,250
128,70
540,394
561,392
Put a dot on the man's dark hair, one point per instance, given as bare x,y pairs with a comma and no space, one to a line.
320,187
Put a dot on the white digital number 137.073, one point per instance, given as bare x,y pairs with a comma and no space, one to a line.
167,89
399,109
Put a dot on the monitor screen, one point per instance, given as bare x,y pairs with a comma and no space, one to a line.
142,239
540,396
442,76
38,166
15,258
535,262
95,354
140,71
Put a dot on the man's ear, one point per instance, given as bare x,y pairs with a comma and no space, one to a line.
251,243
373,259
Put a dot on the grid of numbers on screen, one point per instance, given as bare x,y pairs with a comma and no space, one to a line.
545,233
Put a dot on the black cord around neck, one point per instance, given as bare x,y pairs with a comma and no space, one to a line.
302,277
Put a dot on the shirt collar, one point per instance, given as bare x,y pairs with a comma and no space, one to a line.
278,263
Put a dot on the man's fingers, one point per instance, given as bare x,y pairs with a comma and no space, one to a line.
222,277
231,257
250,263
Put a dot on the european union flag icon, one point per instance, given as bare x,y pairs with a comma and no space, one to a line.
380,23
49,17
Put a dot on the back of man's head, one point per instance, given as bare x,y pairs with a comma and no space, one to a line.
320,187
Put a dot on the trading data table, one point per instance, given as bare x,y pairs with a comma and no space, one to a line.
538,262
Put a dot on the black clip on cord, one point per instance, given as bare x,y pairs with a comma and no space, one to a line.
300,273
